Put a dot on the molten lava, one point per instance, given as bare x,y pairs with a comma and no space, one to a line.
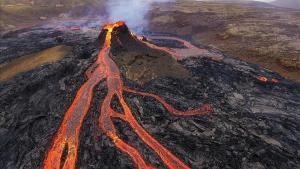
67,137
188,51
265,79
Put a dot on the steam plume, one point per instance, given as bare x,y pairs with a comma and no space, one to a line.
133,12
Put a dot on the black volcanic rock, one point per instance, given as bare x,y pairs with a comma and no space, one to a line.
254,125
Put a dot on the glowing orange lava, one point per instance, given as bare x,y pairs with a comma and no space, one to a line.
181,53
263,78
67,136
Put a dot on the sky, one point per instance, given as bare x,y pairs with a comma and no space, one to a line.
265,0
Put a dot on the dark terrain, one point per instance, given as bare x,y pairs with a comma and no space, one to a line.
255,32
255,124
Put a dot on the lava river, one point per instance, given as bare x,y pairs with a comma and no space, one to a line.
63,150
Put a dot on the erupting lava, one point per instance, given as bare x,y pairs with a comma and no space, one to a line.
66,139
265,79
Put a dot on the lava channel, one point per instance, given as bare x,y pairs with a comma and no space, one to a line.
66,140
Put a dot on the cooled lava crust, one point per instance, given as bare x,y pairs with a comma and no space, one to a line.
254,123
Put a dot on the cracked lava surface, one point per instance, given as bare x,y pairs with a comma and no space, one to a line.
63,151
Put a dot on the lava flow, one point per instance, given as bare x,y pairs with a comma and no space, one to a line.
265,79
63,151
180,54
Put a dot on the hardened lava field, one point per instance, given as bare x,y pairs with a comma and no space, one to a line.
92,109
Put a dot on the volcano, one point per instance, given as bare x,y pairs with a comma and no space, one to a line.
115,35
126,101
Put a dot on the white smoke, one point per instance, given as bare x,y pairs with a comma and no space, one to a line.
133,12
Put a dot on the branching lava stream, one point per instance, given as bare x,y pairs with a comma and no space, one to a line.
66,140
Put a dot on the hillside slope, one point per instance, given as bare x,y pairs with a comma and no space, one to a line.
287,3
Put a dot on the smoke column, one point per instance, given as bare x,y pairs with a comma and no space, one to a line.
133,12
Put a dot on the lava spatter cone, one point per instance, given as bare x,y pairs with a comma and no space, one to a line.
121,38
113,38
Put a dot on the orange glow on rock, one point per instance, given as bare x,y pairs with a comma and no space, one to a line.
67,136
263,78
275,81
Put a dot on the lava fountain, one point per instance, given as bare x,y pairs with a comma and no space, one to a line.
63,150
